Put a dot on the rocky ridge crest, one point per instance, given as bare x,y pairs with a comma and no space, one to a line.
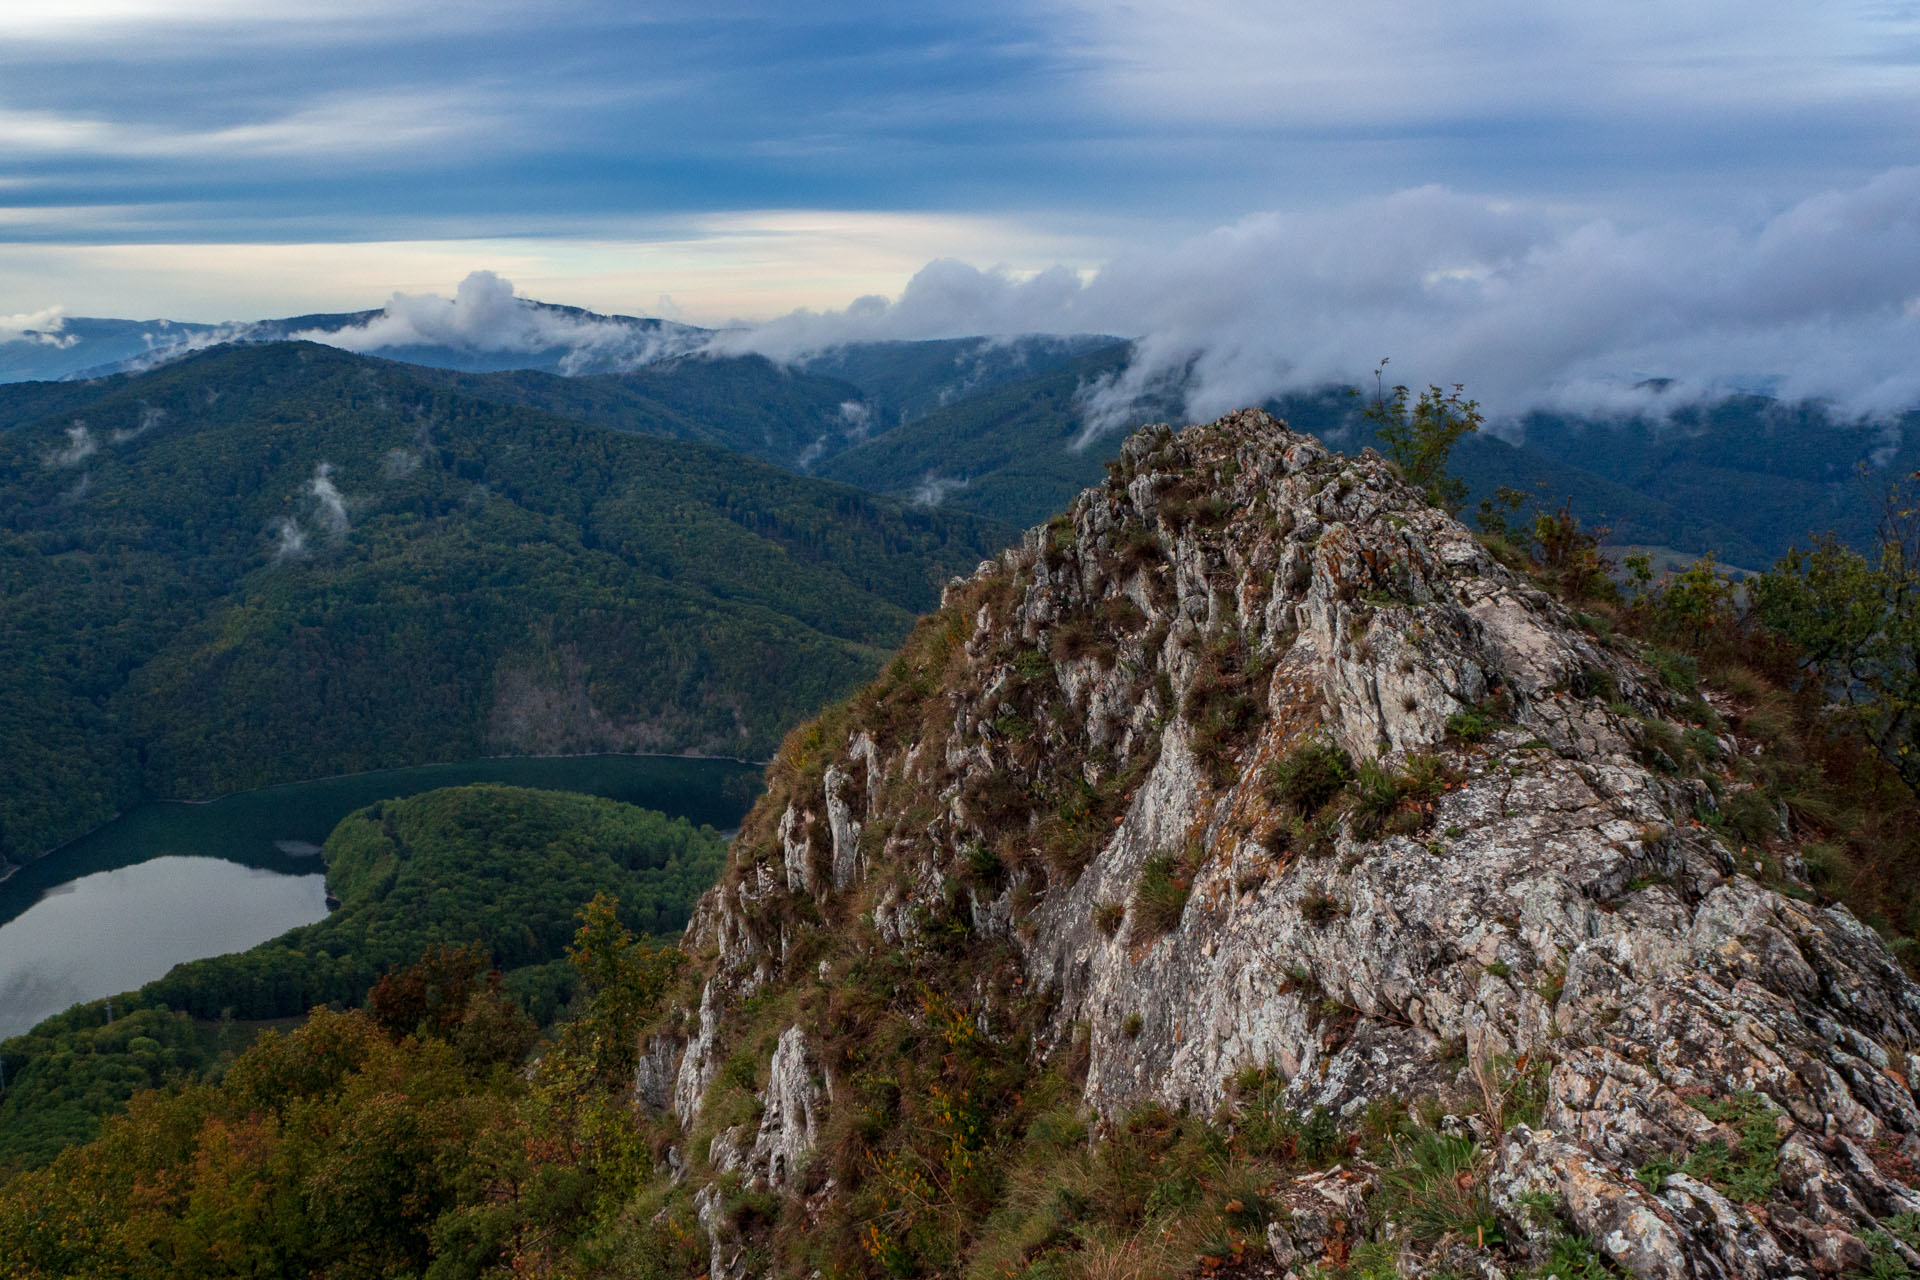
1082,804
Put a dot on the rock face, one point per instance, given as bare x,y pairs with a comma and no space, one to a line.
1077,756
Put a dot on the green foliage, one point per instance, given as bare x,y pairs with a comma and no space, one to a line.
1160,895
1471,725
343,1150
456,880
496,580
1419,436
1748,1169
1856,621
1225,701
1387,801
1433,1185
1688,608
1310,776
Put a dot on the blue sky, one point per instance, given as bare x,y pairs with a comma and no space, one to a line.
213,159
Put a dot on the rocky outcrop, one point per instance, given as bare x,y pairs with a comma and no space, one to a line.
1084,756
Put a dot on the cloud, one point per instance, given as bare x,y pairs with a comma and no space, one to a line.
150,417
485,315
331,507
935,489
857,417
43,327
289,542
80,446
398,464
1526,306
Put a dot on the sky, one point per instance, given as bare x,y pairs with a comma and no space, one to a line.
1547,201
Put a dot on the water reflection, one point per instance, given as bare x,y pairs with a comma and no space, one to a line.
114,930
171,882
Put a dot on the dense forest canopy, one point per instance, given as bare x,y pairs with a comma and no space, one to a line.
267,563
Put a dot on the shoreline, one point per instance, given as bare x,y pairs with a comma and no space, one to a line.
446,764
15,868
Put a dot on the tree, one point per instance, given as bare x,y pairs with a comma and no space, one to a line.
1856,620
1419,435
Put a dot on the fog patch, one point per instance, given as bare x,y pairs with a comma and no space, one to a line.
935,489
330,506
398,464
290,543
150,418
79,447
856,418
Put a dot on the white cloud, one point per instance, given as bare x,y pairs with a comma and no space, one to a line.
79,447
42,327
1526,306
485,315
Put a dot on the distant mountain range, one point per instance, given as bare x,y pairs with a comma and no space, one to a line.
992,426
246,560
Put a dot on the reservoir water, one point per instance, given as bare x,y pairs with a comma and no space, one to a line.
166,883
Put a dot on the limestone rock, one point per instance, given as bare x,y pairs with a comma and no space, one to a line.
1111,697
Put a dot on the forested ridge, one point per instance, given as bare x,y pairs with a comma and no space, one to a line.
504,870
275,562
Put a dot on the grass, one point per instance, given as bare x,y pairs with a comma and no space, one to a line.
1385,801
1310,777
1160,895
1435,1189
1321,909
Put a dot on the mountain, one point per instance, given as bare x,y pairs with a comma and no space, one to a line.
912,379
538,335
1012,452
262,563
745,403
1253,787
1248,873
82,343
1743,478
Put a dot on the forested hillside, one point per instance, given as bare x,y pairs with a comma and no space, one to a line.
502,870
274,562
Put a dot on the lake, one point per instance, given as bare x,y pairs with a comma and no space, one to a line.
166,883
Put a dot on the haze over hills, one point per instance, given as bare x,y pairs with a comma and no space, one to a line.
1001,426
270,562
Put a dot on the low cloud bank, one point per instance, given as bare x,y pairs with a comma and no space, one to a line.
42,327
485,315
1528,308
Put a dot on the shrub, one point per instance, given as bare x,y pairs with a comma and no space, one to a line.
1107,917
1160,897
1321,909
1310,776
1385,801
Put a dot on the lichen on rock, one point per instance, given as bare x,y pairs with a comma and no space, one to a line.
1074,765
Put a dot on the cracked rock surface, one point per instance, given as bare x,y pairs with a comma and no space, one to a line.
1553,907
